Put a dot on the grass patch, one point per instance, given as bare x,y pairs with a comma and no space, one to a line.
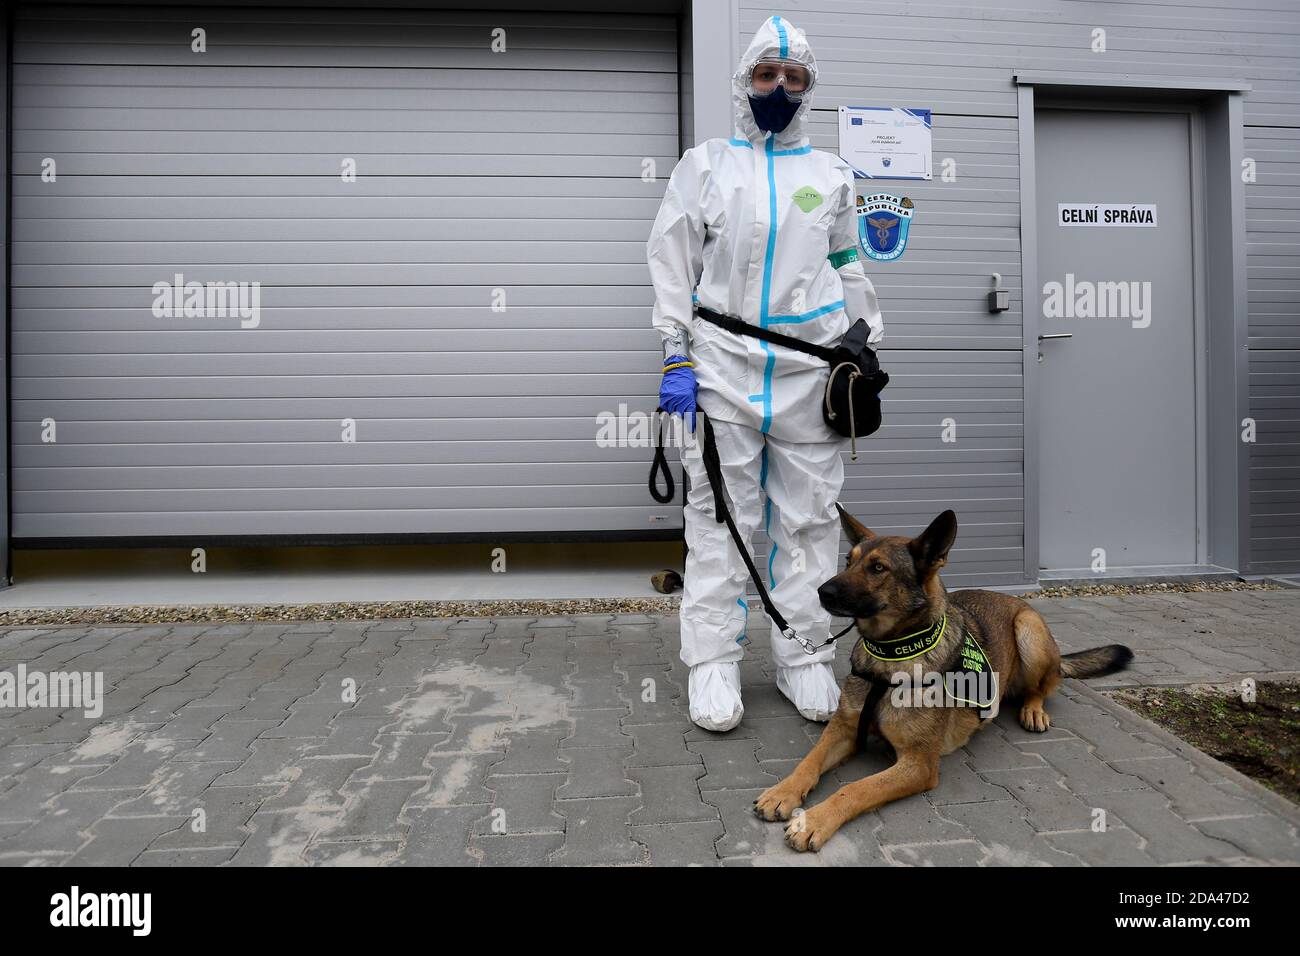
1261,739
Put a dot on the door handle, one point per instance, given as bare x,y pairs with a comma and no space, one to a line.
1056,335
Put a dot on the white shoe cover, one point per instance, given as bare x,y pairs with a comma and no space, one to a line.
714,691
812,689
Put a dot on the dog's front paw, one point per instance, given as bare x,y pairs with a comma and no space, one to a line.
778,802
1034,718
810,829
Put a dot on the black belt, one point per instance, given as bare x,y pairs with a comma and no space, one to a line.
741,327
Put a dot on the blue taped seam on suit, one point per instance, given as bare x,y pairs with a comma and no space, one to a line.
769,256
793,319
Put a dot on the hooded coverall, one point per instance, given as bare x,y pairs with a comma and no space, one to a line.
763,227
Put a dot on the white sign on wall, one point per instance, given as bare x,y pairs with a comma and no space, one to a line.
1105,214
885,142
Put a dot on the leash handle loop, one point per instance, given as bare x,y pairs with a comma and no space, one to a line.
661,464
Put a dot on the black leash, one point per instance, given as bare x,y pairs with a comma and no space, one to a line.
713,468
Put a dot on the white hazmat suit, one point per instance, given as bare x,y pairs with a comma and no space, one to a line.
763,227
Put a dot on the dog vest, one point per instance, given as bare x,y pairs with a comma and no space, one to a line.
969,678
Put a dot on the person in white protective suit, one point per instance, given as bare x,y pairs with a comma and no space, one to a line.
763,227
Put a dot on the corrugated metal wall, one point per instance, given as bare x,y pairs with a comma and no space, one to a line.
958,60
1273,284
476,171
231,169
947,357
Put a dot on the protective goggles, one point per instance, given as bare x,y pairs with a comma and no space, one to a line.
767,74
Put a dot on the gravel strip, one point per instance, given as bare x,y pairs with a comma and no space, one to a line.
389,610
345,611
1085,590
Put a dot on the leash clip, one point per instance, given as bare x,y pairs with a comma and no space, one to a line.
808,646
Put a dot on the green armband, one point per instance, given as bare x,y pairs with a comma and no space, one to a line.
838,259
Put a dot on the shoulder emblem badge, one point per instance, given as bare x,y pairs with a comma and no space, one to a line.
883,222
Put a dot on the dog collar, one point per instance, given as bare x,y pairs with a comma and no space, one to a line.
909,645
968,677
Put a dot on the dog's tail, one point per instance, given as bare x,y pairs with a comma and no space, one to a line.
1096,662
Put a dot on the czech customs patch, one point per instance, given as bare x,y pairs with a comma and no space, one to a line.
883,222
973,682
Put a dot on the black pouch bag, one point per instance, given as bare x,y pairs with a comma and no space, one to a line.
851,404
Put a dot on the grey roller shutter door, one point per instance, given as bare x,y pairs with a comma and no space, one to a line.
476,171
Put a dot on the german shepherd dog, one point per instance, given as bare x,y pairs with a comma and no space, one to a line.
891,589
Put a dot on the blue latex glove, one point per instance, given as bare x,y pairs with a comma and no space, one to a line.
677,390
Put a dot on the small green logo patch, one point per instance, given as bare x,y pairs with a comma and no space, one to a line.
807,198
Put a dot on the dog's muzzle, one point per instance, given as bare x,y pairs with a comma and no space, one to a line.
833,599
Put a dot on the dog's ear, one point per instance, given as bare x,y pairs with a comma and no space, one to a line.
930,549
855,529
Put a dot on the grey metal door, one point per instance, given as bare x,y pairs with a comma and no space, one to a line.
1118,396
473,300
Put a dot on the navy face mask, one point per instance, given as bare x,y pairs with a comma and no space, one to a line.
774,111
